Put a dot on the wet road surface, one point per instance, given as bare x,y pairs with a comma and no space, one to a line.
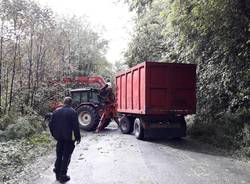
114,158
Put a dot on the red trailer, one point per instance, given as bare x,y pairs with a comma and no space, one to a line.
154,97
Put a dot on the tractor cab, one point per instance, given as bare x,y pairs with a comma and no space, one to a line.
85,95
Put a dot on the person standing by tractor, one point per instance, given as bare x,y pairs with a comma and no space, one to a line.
64,127
109,111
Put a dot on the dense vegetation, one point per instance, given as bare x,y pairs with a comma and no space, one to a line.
36,47
215,35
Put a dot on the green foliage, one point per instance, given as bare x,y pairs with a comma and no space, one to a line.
230,131
139,5
38,139
82,47
46,96
6,120
18,154
36,122
22,127
105,70
38,47
148,43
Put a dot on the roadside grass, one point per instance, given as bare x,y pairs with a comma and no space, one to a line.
39,139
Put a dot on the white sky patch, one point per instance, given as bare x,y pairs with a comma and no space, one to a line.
112,14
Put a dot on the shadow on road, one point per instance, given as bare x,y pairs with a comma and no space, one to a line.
189,145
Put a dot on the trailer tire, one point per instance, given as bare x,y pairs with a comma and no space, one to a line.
138,129
183,127
88,117
126,125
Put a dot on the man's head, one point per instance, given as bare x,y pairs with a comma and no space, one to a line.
67,101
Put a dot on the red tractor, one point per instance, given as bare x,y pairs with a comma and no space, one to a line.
87,102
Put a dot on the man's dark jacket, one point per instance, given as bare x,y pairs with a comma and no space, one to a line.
64,123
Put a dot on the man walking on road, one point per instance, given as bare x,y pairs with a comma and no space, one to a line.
64,127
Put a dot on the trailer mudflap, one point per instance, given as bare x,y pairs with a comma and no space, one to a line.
163,125
164,133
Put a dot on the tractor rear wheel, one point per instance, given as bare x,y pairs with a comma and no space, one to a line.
88,117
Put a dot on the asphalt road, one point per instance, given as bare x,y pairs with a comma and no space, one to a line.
114,158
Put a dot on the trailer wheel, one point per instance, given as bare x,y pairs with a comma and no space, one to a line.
183,125
126,126
88,117
138,129
181,131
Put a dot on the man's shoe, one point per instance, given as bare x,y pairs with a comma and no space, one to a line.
64,178
57,174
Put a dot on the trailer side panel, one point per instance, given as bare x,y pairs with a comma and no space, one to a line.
153,88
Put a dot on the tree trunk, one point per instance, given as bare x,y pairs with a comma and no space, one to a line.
6,89
13,76
30,68
1,58
69,60
63,63
13,69
39,58
42,72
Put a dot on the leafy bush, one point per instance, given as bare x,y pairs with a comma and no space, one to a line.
6,120
2,136
36,121
230,131
46,96
22,128
38,139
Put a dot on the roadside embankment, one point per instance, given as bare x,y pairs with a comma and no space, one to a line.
23,139
18,154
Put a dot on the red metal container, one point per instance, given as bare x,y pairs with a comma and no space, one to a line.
153,88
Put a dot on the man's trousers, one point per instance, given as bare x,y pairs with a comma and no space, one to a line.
64,150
